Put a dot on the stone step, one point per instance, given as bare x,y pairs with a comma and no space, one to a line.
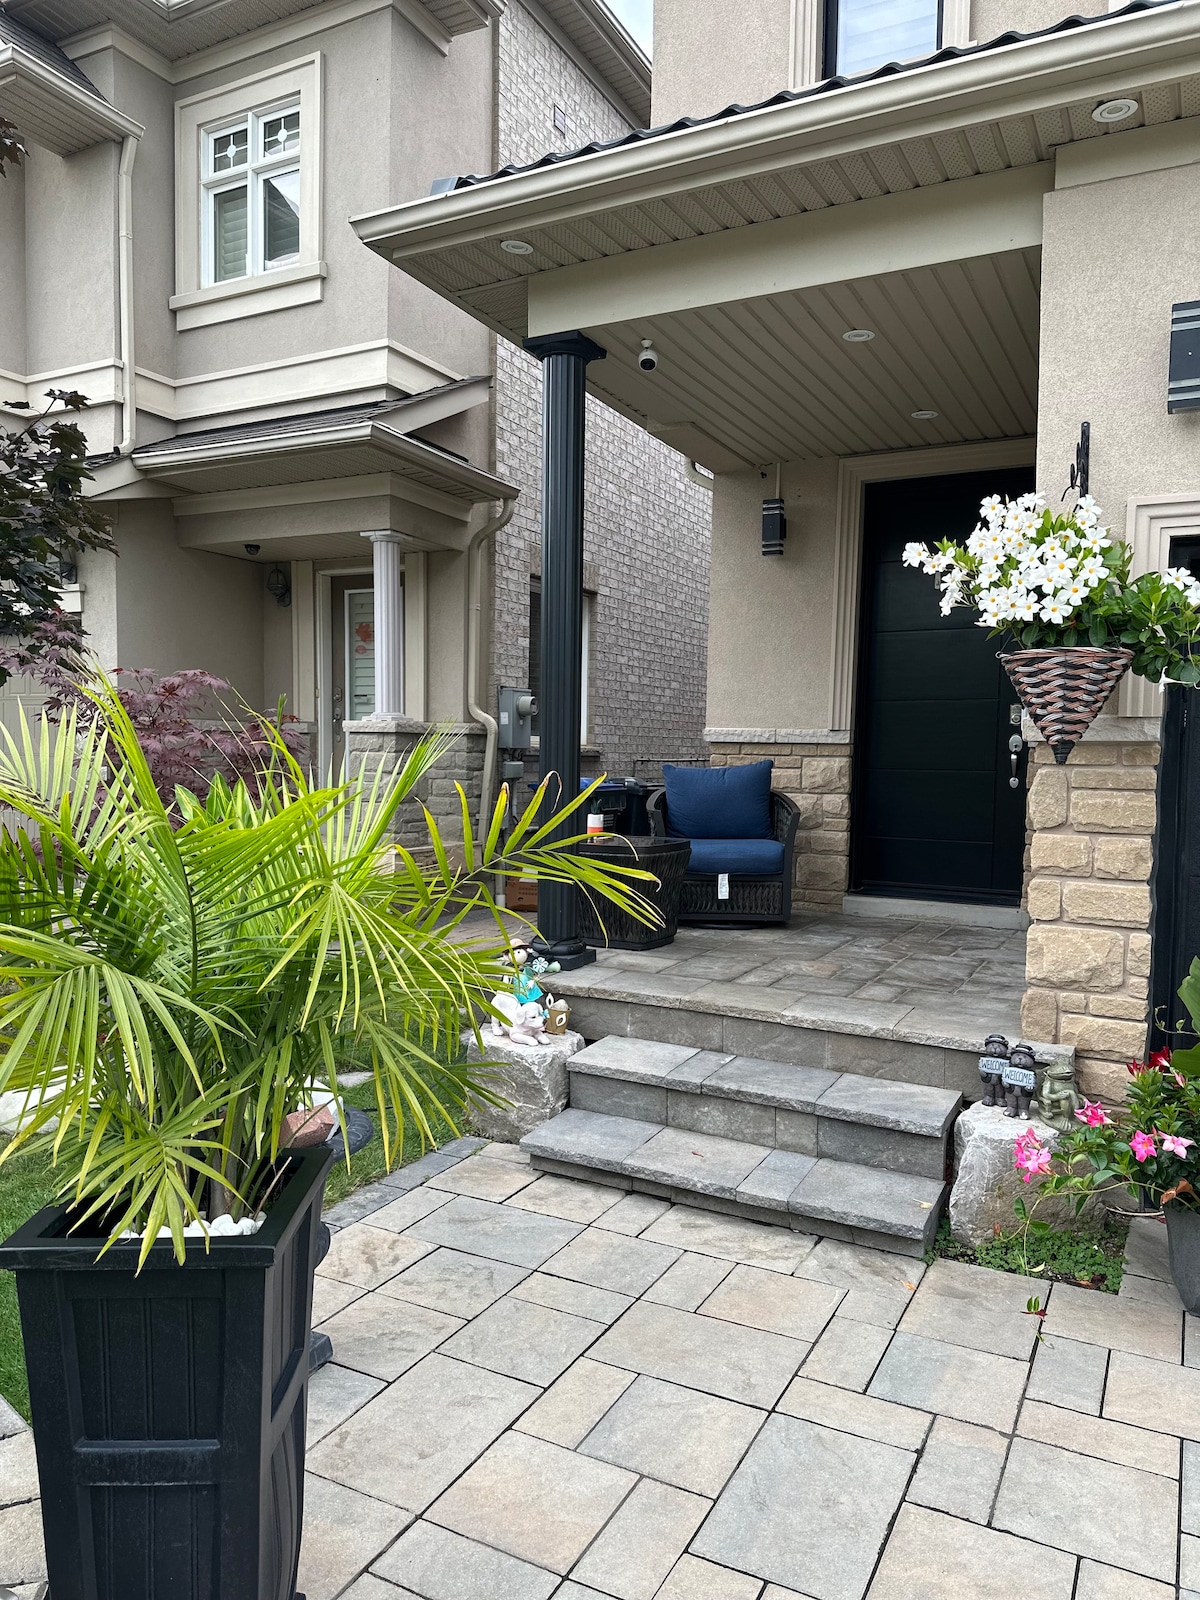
838,1199
873,1122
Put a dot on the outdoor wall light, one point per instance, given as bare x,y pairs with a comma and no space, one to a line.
516,247
279,585
1114,110
923,416
858,335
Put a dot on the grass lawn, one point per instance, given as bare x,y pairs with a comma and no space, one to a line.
1091,1260
25,1187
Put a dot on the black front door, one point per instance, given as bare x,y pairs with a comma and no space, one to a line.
934,816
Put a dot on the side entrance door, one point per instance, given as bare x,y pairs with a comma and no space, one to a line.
352,619
933,814
1176,886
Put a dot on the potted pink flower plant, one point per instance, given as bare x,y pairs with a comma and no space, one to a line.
1150,1142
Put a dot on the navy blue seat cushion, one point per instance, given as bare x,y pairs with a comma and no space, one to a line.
749,858
719,802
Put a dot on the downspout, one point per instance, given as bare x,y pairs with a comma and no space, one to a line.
476,551
125,354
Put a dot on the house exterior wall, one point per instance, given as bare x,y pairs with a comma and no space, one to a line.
699,67
646,522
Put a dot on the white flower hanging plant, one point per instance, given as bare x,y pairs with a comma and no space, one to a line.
1058,580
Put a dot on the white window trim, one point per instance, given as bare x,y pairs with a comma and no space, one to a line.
1150,526
196,304
808,21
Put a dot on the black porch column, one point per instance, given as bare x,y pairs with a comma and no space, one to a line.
564,358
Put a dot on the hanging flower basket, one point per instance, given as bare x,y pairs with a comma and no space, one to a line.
1064,690
1061,588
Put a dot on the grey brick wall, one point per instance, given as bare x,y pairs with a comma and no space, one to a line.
647,523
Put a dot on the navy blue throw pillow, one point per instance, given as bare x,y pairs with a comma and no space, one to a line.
719,802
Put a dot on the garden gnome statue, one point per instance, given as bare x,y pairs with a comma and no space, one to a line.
991,1067
1058,1097
1020,1080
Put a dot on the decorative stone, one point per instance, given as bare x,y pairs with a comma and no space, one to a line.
987,1183
532,1078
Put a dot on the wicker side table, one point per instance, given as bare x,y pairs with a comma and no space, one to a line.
668,860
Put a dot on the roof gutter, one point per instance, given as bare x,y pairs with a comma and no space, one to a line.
265,446
1100,59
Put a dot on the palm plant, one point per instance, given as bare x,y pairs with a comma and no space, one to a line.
174,979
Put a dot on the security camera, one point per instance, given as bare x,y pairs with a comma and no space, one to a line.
252,549
648,359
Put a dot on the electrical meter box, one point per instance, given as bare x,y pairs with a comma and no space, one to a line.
518,707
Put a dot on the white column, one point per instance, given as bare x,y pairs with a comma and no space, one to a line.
389,622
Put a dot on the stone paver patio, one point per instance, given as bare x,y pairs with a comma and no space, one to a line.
888,974
543,1387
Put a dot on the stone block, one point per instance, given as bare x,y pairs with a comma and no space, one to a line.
1048,799
1104,1037
721,1358
1138,959
1039,1014
931,1556
1044,899
1113,811
987,1185
645,1102
1117,857
959,1470
531,1078
825,872
638,1548
1101,1080
1124,1007
1064,853
969,1385
1093,958
726,1119
1069,1374
433,1562
826,775
1120,904
1127,778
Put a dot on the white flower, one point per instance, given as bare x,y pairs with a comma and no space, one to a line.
1056,609
1076,592
1096,540
1092,570
1179,578
992,508
1025,609
1058,572
1087,503
914,554
989,571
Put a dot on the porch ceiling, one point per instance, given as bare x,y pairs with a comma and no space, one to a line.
754,368
772,379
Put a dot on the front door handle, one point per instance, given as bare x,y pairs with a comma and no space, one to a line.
1015,745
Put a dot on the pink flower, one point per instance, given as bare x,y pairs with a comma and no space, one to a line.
1031,1157
1159,1061
1173,1143
1093,1114
1142,1145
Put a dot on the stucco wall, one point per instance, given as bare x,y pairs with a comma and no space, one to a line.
709,54
992,17
12,272
646,522
1106,321
770,625
180,608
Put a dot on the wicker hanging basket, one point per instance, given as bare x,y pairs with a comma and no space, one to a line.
1063,690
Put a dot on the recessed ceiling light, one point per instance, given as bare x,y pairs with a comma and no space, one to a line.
858,335
923,416
516,247
1114,110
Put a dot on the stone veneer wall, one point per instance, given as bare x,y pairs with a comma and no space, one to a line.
647,522
817,777
1090,856
374,740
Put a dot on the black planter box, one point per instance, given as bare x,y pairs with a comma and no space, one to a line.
169,1406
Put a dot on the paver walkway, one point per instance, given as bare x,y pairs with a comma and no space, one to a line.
544,1387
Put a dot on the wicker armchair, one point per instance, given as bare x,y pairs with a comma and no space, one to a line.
752,898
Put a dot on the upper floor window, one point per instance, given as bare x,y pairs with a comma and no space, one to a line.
248,196
252,194
861,35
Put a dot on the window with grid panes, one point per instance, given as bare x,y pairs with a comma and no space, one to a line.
251,194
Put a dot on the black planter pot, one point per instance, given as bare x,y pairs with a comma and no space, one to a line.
169,1406
1183,1253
